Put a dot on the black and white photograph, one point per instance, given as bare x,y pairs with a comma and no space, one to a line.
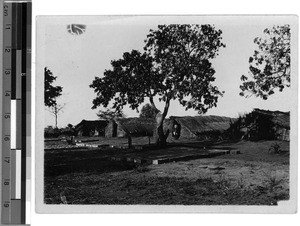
166,113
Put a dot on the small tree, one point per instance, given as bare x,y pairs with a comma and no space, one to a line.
51,92
175,65
51,95
55,110
148,111
270,64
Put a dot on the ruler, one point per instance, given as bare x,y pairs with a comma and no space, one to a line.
16,105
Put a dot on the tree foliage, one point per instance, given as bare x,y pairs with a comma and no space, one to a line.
148,111
51,92
175,64
270,64
110,114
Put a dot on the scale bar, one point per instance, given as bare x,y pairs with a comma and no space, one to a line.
6,96
16,70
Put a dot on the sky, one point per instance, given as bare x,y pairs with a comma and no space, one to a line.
77,59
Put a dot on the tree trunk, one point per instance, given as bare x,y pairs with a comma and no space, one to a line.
55,120
55,112
161,136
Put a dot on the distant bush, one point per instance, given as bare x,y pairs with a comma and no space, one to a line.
67,131
50,132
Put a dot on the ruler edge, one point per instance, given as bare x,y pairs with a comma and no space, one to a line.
2,114
29,56
1,96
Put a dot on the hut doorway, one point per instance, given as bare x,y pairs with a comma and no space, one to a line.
176,130
115,128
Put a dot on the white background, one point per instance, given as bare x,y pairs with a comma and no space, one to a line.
117,7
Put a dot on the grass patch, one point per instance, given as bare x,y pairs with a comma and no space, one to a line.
90,177
108,189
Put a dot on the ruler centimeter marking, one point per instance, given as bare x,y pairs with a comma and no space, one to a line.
6,153
16,109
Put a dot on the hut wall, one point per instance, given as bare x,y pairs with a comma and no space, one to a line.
92,132
91,128
100,132
283,134
120,131
287,135
80,132
87,132
111,129
184,132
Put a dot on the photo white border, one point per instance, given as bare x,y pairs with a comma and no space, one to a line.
283,206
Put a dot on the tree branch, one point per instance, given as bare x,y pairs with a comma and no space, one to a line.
152,101
166,108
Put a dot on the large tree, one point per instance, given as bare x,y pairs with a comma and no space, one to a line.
175,64
270,64
51,92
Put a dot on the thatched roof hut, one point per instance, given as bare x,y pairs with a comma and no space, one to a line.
195,126
279,123
135,127
279,118
91,128
262,124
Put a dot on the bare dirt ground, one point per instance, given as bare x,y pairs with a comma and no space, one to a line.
254,177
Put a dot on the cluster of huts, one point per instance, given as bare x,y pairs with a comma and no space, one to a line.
135,127
259,124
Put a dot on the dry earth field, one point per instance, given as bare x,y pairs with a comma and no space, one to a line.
88,176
